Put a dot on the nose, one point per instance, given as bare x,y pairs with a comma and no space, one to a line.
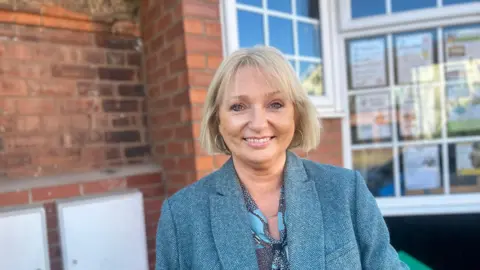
258,119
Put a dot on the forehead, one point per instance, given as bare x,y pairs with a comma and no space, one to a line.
252,82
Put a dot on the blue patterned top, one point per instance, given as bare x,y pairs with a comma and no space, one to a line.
271,253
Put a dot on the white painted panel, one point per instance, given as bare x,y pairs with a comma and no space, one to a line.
103,233
23,239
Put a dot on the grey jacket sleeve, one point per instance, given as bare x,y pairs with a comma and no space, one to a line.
166,240
372,233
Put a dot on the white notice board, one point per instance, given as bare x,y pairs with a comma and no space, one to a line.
106,232
23,239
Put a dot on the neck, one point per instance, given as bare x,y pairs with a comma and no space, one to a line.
261,179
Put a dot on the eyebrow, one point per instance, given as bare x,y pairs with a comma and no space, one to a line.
270,94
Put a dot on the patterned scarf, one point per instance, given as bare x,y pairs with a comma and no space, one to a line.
271,253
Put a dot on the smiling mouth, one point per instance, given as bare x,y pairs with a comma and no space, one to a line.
258,142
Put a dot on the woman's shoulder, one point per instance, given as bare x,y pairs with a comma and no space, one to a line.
330,176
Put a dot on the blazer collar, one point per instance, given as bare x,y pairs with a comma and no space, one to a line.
231,230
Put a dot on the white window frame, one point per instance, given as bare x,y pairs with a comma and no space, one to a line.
433,18
329,105
347,23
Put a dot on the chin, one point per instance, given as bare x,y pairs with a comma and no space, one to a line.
260,156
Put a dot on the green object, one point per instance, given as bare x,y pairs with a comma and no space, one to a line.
413,263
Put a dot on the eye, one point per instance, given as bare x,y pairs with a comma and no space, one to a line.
276,105
237,107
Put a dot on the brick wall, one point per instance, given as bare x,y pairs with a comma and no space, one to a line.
71,99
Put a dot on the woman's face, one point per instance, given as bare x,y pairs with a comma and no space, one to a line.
256,121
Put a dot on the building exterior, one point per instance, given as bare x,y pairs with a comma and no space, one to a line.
93,101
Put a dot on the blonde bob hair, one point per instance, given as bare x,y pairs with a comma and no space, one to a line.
279,75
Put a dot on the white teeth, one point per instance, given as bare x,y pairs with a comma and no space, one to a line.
258,140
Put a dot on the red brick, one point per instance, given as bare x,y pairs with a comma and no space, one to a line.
196,61
8,124
198,9
142,180
93,57
202,44
28,123
193,26
175,148
153,205
19,51
178,65
7,106
175,31
104,185
213,29
219,160
152,218
13,198
197,95
53,88
163,23
157,43
184,132
53,237
56,192
13,87
204,163
196,130
25,70
35,106
74,72
80,106
214,61
153,191
199,78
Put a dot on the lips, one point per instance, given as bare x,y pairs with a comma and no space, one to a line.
258,142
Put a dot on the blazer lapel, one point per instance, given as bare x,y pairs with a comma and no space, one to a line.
303,216
230,228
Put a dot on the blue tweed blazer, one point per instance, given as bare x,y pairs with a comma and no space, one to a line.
332,219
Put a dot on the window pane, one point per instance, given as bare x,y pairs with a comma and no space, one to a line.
250,29
421,170
365,8
464,161
406,5
311,77
376,167
367,63
309,40
370,118
451,2
416,57
280,5
257,3
418,112
462,72
281,34
307,8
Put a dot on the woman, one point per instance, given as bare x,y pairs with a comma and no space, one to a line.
266,208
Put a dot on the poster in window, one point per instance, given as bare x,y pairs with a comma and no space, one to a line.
367,63
419,112
421,167
463,108
373,117
415,58
462,54
468,158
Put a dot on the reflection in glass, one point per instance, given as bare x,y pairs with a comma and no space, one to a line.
415,57
367,62
308,8
451,2
280,5
365,8
463,109
257,3
421,169
464,159
250,29
370,118
406,5
311,77
419,112
309,39
281,34
376,167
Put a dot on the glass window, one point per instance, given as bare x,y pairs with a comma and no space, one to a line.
464,160
309,39
365,8
257,3
407,5
311,76
376,167
452,2
308,8
250,29
280,5
281,34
